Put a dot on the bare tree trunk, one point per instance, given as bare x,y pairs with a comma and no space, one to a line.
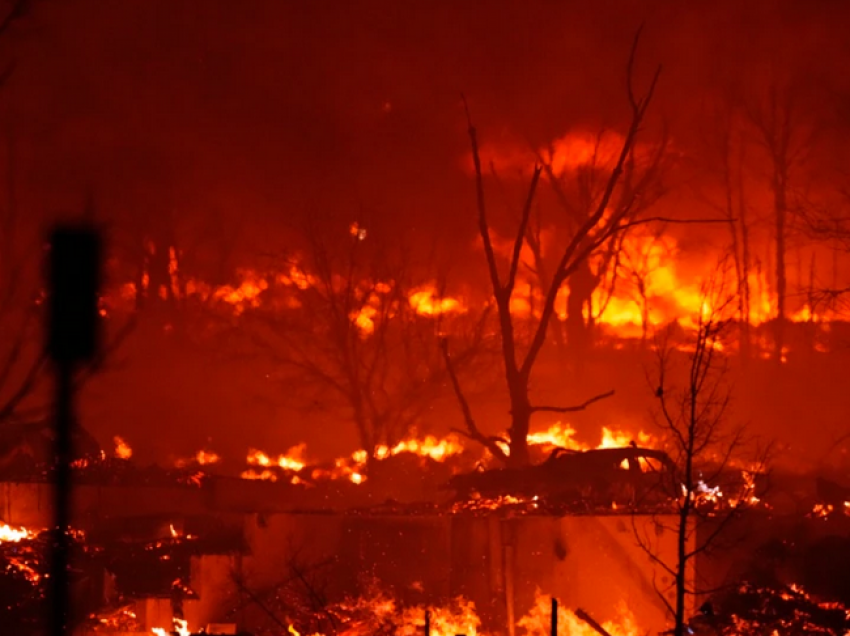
644,313
518,433
681,581
746,342
736,249
579,338
780,211
367,441
535,244
591,233
811,327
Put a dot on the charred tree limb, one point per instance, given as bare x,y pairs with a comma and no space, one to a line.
483,226
572,409
522,230
258,602
587,618
665,219
586,240
490,443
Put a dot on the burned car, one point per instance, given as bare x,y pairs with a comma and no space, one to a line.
600,477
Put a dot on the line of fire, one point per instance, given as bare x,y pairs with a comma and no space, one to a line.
480,319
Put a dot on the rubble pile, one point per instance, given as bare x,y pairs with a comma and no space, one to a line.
374,612
106,471
123,472
106,576
24,565
764,611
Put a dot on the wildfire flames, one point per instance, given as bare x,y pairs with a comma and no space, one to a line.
180,628
560,435
8,534
202,458
122,449
825,511
353,468
649,288
538,621
376,612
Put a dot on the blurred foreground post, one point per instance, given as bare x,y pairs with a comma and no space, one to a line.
553,630
73,280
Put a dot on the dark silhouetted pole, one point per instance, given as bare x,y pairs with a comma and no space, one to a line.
554,627
427,622
73,275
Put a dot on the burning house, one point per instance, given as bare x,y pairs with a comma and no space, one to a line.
496,321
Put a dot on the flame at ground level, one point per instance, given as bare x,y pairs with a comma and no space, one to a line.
378,613
122,448
353,468
538,621
14,535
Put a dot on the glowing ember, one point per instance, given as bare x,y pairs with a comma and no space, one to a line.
265,475
357,231
480,504
825,511
122,449
202,458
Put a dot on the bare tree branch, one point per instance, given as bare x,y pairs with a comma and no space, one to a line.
473,431
573,409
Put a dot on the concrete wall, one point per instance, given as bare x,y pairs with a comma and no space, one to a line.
31,504
591,562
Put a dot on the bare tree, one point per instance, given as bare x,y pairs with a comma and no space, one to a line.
787,140
601,223
715,463
353,328
638,262
724,160
21,362
578,192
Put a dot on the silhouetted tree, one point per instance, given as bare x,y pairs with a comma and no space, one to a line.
716,465
786,139
354,327
578,191
637,264
723,159
599,225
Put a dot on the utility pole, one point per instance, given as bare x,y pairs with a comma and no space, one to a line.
73,282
